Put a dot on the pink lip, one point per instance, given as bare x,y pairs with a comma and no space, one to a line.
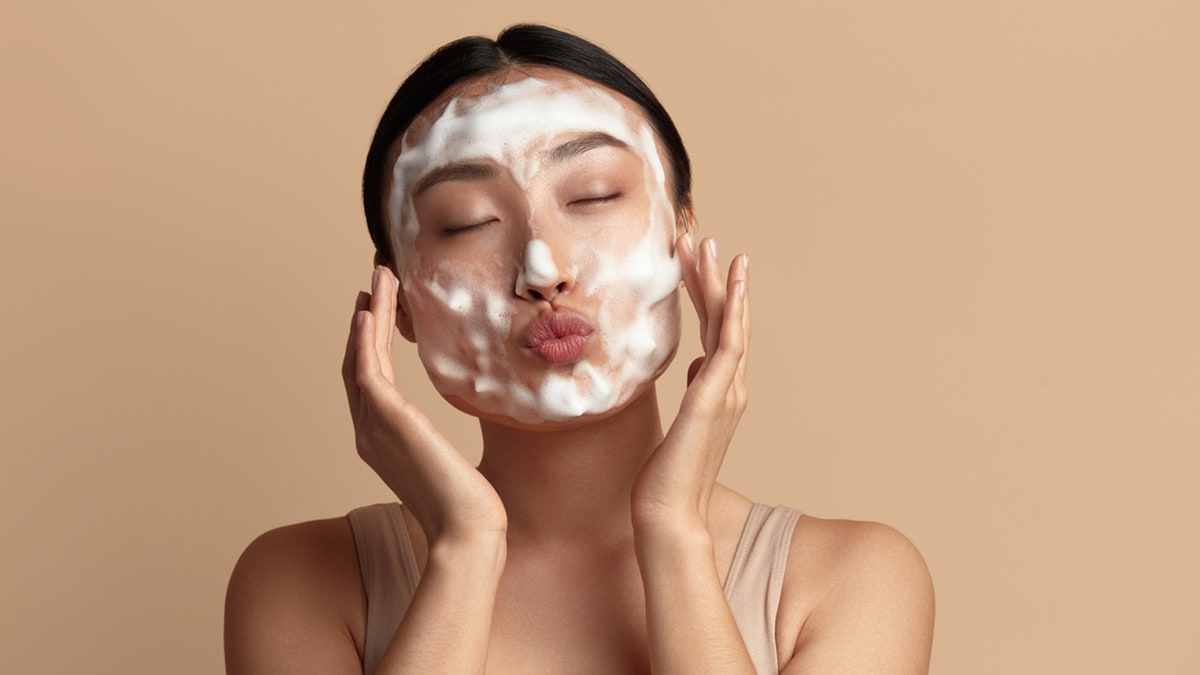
559,336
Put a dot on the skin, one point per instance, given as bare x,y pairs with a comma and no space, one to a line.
595,546
472,278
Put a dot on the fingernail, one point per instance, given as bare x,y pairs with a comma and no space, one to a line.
375,276
741,289
712,248
745,261
689,242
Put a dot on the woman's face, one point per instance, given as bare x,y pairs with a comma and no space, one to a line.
534,232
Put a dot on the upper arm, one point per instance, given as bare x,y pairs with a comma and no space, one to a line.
291,601
873,606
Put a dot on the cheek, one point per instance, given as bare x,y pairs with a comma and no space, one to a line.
638,284
641,328
458,311
613,261
634,265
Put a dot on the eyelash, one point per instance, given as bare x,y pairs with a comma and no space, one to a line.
451,231
598,200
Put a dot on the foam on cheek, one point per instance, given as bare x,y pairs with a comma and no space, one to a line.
641,333
462,330
641,328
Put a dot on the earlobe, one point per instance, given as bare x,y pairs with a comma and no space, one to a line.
404,322
685,222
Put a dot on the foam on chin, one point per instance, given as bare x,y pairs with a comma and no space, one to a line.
634,287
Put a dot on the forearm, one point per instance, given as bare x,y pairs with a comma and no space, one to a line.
691,628
449,620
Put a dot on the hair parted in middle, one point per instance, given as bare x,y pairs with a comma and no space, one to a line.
471,57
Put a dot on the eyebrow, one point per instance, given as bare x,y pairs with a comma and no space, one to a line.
478,171
578,146
454,172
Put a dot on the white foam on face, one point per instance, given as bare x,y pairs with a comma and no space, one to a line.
539,269
463,310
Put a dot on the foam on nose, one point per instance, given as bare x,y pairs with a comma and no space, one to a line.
539,270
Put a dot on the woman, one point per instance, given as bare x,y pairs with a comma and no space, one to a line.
529,200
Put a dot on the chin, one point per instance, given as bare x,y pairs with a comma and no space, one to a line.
645,391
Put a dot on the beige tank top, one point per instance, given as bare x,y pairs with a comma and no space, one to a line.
753,586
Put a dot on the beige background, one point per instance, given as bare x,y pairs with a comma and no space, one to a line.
974,233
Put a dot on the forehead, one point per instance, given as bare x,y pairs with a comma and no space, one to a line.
535,98
508,117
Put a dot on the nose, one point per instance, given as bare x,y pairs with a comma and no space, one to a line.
539,277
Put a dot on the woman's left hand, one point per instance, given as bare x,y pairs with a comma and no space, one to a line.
673,488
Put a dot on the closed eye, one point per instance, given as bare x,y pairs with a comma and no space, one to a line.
596,200
451,231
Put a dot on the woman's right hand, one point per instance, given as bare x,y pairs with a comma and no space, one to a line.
450,499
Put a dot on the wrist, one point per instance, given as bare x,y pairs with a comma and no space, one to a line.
673,539
484,552
668,520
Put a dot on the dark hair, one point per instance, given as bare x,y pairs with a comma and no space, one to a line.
523,44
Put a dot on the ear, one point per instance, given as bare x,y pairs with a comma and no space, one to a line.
404,321
685,221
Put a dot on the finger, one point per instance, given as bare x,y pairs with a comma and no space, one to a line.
689,264
712,287
717,376
367,371
738,283
732,345
393,286
349,361
381,308
745,317
735,284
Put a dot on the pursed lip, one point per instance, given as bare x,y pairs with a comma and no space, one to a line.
558,336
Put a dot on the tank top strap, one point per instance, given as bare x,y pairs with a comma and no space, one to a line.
754,584
389,572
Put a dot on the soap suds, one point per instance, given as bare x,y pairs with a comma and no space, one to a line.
464,311
539,270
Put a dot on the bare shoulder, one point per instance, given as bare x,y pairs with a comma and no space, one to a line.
857,597
295,602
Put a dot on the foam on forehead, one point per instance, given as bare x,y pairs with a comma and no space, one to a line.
504,125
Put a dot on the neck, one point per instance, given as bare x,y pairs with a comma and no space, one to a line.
573,483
